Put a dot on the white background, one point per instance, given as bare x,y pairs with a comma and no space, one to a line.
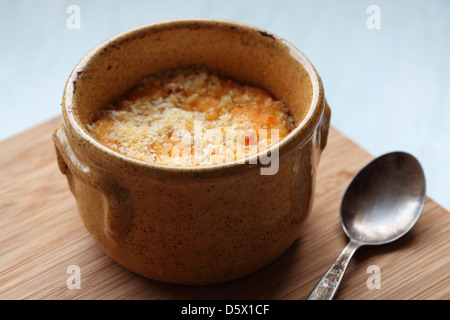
389,88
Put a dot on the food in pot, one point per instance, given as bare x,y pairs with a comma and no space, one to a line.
191,117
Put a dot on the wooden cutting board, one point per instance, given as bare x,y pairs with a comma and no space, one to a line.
41,235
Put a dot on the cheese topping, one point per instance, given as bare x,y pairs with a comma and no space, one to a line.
192,117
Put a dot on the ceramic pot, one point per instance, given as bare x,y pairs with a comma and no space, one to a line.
198,225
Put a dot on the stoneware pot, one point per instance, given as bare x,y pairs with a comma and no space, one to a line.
198,225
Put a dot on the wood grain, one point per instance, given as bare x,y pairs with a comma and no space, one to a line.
41,235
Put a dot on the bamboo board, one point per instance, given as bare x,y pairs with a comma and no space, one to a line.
41,235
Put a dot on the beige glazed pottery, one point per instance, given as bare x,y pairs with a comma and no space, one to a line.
198,225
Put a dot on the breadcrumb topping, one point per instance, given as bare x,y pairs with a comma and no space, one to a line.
190,117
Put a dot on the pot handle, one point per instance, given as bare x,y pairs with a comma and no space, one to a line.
118,210
324,126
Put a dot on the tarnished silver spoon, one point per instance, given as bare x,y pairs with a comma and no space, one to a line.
382,203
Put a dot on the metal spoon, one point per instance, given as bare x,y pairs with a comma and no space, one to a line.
382,203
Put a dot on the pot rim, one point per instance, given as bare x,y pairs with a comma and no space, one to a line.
302,132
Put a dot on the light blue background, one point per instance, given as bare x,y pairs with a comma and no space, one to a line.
389,89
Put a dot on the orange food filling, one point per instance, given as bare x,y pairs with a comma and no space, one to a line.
192,117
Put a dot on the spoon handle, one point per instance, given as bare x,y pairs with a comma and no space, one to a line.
326,288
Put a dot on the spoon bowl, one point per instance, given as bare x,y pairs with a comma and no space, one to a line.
384,200
381,204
